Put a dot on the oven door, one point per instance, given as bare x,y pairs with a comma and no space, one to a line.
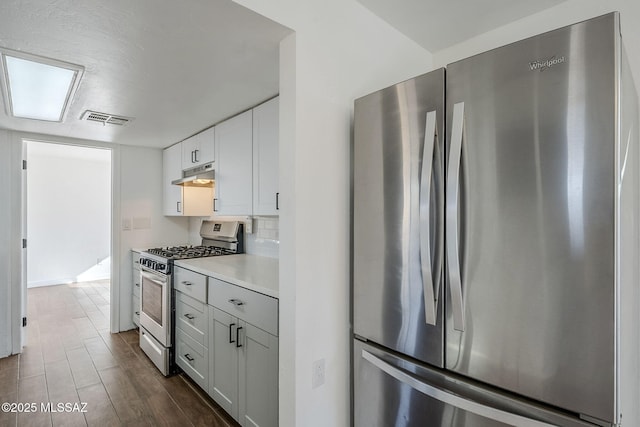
155,303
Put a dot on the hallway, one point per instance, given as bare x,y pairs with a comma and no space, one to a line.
71,357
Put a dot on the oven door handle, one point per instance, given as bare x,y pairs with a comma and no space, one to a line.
154,276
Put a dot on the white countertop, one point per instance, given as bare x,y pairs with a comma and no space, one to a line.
253,272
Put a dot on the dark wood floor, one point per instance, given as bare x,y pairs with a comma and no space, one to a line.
71,357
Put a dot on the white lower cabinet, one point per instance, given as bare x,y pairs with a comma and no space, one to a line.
226,341
243,368
258,378
192,325
243,353
193,358
223,361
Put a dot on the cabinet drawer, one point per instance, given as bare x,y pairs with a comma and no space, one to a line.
193,359
191,283
192,318
255,308
135,309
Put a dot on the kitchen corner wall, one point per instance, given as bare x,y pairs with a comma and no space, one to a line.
141,223
340,51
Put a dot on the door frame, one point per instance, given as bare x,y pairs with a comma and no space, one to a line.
19,291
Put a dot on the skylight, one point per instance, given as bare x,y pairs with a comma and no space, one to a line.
38,88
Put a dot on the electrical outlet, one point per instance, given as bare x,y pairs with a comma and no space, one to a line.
317,373
126,224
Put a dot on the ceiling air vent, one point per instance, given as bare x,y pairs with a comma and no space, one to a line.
94,116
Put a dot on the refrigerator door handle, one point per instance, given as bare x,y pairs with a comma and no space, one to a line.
453,193
430,294
454,400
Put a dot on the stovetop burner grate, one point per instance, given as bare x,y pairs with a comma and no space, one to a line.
185,252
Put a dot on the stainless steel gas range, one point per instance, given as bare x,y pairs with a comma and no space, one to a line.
157,307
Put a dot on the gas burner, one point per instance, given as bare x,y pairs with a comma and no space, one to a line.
186,252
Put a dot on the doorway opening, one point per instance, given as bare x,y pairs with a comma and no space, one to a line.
68,241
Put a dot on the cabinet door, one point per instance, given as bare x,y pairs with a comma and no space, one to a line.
171,170
223,360
265,158
189,147
206,146
258,378
234,166
198,149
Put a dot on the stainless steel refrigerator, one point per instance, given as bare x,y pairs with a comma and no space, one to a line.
495,239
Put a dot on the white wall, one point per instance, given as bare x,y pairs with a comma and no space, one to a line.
141,205
68,213
340,51
566,13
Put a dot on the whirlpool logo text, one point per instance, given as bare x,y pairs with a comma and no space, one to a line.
545,64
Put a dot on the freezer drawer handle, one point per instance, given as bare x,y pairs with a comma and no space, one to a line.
452,399
453,192
428,279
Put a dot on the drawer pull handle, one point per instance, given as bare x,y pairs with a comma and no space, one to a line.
231,340
238,336
236,302
138,285
137,313
189,316
189,358
184,282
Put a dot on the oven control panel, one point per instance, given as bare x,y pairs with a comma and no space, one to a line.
160,267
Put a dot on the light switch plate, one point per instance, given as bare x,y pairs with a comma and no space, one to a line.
317,373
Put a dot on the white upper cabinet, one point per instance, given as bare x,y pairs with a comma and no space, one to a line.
265,158
198,149
171,170
179,200
234,166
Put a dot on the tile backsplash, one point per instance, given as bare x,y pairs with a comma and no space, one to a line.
267,228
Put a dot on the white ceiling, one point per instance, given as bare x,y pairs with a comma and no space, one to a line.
176,67
438,24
